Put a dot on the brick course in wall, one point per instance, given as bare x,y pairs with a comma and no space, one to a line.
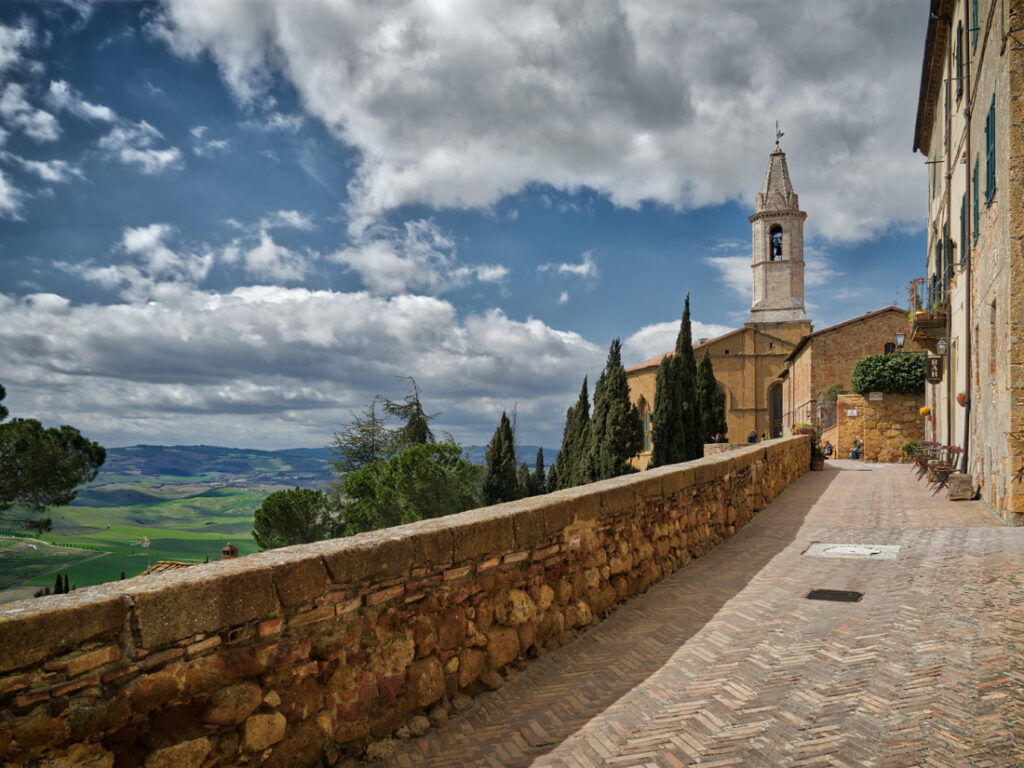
306,655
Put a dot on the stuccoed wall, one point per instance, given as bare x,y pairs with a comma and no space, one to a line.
311,653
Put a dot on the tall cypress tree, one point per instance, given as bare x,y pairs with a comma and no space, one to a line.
616,432
499,482
710,400
67,589
538,484
674,426
572,463
58,585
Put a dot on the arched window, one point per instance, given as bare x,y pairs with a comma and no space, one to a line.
775,409
890,347
776,246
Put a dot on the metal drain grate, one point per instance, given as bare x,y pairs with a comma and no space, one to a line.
835,595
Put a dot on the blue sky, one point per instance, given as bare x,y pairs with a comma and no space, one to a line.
234,223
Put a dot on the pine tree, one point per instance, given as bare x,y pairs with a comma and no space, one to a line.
500,483
58,586
674,426
616,431
416,429
573,464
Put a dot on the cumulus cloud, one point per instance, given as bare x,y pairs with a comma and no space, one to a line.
133,144
53,171
13,41
417,256
62,96
586,268
734,271
274,366
204,147
658,338
37,124
271,261
10,198
639,99
288,219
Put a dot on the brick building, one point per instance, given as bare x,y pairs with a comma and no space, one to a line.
969,128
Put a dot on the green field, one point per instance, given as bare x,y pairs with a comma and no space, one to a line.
188,521
26,559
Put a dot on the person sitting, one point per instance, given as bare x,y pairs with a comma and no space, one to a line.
857,450
752,437
828,449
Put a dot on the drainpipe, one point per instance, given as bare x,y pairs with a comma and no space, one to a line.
946,228
969,229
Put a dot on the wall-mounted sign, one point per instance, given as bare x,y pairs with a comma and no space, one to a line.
933,369
852,413
876,396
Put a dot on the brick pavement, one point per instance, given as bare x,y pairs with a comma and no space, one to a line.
726,664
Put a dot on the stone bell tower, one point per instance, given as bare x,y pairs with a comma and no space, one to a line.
778,234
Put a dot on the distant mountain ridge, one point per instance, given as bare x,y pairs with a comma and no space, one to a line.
307,467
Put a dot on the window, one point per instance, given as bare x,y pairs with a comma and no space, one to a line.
974,186
990,153
776,245
890,347
959,57
963,226
974,24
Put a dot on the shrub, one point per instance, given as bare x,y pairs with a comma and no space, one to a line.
900,373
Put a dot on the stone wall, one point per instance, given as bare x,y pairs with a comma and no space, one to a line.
884,425
305,655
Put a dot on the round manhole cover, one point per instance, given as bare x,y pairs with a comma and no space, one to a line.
856,550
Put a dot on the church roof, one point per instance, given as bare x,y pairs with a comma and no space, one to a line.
654,362
777,190
806,338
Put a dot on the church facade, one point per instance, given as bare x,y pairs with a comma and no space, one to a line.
752,364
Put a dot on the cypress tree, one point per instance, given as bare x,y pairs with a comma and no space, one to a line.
573,460
711,401
58,586
499,482
552,480
616,431
537,480
674,426
523,481
66,588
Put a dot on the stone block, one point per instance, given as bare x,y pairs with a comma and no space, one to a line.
262,731
563,508
961,487
529,524
79,756
426,681
502,646
478,534
201,599
231,705
451,627
191,752
299,575
34,630
471,665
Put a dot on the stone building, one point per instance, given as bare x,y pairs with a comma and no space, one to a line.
777,345
826,358
970,311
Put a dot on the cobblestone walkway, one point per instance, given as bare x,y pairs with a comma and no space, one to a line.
726,663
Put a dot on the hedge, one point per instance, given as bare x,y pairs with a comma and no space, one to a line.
900,372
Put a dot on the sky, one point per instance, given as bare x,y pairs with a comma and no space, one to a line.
236,222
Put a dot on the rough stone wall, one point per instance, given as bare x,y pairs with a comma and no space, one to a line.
304,655
883,425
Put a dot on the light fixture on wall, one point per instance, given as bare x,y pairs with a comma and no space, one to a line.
941,347
901,338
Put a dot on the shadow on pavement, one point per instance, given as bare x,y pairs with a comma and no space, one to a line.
558,694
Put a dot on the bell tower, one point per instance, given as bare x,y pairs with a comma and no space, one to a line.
778,259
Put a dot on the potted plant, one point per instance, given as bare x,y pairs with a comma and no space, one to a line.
961,399
817,452
803,428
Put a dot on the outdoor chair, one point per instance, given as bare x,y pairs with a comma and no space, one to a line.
949,464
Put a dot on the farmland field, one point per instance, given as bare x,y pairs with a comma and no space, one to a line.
25,558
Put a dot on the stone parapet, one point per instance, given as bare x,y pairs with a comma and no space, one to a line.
302,655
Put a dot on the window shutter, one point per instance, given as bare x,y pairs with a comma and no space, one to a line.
974,186
959,60
990,152
963,228
974,24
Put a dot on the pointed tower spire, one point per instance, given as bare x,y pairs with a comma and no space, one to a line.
778,240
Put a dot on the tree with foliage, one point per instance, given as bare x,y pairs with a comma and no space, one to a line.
58,586
710,401
42,467
500,482
523,480
551,482
902,373
675,428
66,588
296,516
362,440
423,481
415,429
573,464
538,483
616,432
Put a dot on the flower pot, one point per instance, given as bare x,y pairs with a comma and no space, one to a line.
817,465
961,399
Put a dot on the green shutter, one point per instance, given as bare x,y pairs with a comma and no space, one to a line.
990,152
959,61
974,24
963,228
974,186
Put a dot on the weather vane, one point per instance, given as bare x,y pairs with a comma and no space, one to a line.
778,134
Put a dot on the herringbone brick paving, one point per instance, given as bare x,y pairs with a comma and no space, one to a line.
726,664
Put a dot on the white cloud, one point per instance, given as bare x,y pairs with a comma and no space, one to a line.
203,147
563,298
268,260
288,219
53,171
37,124
132,144
658,338
270,366
12,42
10,198
491,273
734,271
62,96
276,122
586,268
461,105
